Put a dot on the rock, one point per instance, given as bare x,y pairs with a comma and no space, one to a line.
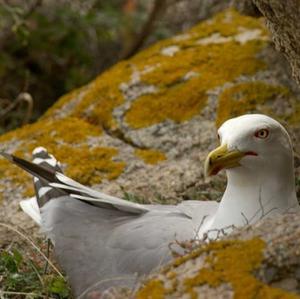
238,266
283,21
138,130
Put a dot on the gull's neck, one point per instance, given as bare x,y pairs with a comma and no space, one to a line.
250,197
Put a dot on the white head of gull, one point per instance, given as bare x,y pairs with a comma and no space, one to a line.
257,154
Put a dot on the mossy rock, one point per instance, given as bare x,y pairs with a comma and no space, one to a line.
141,126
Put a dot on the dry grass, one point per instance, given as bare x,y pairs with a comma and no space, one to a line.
27,269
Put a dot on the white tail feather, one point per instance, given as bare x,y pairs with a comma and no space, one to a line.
31,208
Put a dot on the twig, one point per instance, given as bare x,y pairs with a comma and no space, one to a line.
90,288
261,209
7,32
219,231
32,8
24,294
48,255
246,219
37,273
22,97
27,98
199,227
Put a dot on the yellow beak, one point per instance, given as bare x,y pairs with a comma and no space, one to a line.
222,158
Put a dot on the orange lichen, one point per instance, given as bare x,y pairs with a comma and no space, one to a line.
150,156
62,101
49,132
180,97
89,166
103,96
245,97
153,290
230,262
234,262
66,140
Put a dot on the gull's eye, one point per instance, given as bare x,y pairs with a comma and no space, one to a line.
218,136
262,133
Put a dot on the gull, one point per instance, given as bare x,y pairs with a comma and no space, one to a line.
102,241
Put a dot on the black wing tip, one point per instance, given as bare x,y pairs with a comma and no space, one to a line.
7,156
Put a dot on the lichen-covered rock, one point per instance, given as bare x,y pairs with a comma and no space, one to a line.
140,127
261,261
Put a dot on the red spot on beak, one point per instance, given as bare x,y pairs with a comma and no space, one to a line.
216,170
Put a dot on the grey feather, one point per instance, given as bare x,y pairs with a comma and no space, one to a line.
100,247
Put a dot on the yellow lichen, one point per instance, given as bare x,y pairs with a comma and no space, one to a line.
245,97
231,262
29,192
14,174
65,99
66,140
103,96
234,262
150,156
179,98
153,290
49,132
89,166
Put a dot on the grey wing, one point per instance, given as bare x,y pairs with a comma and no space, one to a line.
202,213
100,247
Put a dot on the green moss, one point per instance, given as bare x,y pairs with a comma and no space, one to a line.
246,97
150,156
232,262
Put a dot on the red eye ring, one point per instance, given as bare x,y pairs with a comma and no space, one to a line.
262,133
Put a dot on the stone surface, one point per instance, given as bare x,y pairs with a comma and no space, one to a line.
261,261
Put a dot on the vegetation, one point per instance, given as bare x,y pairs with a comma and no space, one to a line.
27,272
48,48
